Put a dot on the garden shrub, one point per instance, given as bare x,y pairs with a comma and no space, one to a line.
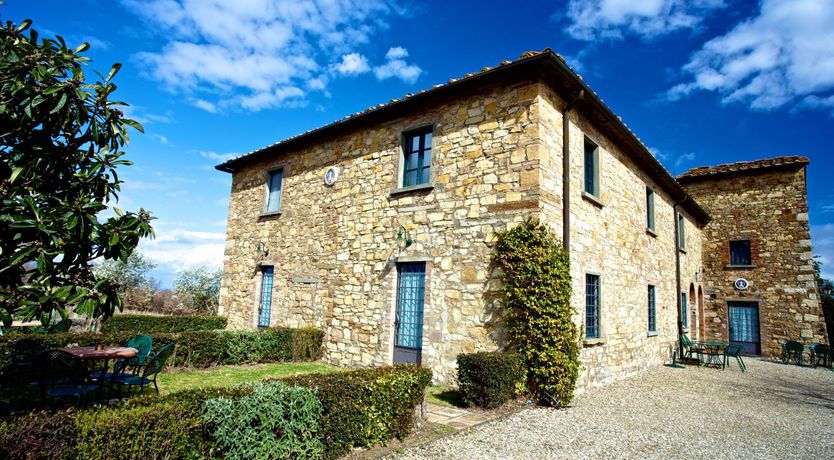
489,379
275,421
319,415
146,324
38,435
365,407
198,348
536,292
162,430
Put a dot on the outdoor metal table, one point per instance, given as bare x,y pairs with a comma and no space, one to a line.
714,349
105,354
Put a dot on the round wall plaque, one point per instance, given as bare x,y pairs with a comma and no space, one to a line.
331,175
741,284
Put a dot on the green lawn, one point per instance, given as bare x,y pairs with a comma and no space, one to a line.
444,396
176,380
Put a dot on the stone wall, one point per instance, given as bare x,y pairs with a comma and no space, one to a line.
769,208
334,249
609,237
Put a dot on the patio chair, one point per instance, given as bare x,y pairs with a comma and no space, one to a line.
142,343
734,350
690,347
792,349
23,356
149,371
821,353
63,375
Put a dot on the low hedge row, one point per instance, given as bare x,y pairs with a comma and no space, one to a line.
200,348
353,409
489,379
145,324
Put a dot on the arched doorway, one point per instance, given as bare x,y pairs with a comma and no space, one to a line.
692,310
701,334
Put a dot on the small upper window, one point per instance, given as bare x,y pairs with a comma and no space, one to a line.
273,192
649,209
740,253
681,232
417,158
591,167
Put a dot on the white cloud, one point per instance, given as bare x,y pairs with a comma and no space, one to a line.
782,56
684,159
822,243
221,157
397,52
257,54
614,19
176,249
204,105
396,66
161,138
353,64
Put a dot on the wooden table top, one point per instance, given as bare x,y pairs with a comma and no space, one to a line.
107,353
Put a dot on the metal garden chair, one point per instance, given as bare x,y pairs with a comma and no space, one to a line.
821,353
142,343
690,347
793,349
23,355
734,350
62,375
149,371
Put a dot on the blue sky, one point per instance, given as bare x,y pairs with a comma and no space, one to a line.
700,81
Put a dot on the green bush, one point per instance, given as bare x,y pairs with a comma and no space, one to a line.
490,379
199,348
275,421
147,324
365,407
38,435
163,430
536,292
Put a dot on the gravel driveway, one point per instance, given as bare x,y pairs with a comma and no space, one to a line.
771,411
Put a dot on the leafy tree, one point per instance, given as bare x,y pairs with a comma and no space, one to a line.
136,285
61,141
536,292
826,289
199,288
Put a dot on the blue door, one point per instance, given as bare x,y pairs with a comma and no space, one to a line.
408,323
744,326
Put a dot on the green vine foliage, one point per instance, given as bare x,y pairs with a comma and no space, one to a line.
536,292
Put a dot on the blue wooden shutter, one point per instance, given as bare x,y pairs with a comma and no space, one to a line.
592,306
411,288
266,296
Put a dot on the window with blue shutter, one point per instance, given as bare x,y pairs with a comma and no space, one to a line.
650,209
273,196
592,306
652,309
681,232
417,159
265,305
591,167
740,253
684,311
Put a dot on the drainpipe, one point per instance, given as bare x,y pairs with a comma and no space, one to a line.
566,170
678,274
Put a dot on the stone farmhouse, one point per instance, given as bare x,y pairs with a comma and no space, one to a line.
379,229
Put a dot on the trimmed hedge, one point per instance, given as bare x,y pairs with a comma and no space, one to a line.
359,408
366,407
146,324
199,348
489,379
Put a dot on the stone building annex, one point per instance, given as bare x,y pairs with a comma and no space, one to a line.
378,229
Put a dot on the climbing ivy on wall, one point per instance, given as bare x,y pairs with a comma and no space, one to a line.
536,293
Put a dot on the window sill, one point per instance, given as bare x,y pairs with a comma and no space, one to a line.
682,250
651,232
269,214
593,199
410,188
652,334
593,342
728,266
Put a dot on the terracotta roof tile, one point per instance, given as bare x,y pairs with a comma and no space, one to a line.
744,166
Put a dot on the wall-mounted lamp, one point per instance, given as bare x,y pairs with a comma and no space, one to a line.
262,250
403,237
